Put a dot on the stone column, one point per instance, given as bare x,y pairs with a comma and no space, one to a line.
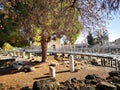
116,65
23,54
29,55
71,62
119,65
11,54
102,61
18,54
108,61
52,71
111,63
14,53
89,58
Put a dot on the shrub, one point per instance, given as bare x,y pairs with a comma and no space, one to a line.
6,46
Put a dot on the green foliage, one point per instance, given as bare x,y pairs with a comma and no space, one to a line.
11,33
56,18
12,17
21,8
19,41
9,30
6,46
47,16
74,37
76,29
35,33
101,38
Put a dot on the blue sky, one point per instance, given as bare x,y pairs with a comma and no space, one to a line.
114,28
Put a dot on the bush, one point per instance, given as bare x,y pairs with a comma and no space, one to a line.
6,46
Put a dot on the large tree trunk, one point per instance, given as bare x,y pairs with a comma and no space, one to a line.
44,47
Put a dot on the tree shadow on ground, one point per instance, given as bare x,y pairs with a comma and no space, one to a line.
48,76
8,70
25,88
43,77
59,72
11,70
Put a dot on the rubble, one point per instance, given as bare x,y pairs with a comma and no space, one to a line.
48,84
91,82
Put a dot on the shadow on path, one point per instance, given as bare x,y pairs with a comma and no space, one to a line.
47,75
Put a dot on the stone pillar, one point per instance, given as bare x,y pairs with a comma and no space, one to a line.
108,61
52,71
88,59
29,55
104,61
111,62
18,54
11,54
14,53
115,62
71,62
23,54
116,65
101,61
119,65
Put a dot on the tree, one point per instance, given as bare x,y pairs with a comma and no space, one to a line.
8,28
51,16
102,37
54,19
60,16
90,39
98,37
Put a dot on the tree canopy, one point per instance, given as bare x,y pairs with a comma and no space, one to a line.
56,17
50,16
9,26
59,16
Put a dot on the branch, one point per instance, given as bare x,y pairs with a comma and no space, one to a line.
73,3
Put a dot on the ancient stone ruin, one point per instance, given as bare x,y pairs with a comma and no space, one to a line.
91,82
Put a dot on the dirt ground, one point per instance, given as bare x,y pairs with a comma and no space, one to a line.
18,79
